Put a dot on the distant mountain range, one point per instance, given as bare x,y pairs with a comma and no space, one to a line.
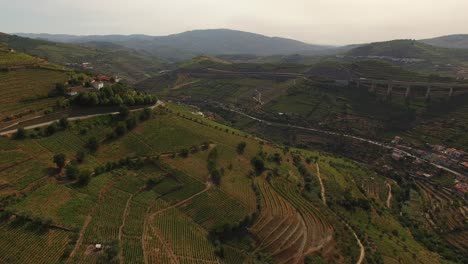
459,41
191,43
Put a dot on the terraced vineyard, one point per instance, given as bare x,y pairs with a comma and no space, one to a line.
444,214
25,91
284,231
19,245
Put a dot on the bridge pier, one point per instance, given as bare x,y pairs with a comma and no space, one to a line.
389,89
408,91
450,92
428,92
372,88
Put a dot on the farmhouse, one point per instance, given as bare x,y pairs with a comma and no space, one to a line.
76,90
97,85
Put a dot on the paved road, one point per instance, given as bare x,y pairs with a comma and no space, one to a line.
369,141
11,131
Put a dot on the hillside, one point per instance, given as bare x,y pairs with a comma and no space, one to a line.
27,85
459,41
200,42
104,58
178,187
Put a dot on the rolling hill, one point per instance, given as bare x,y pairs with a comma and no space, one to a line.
458,41
105,58
200,42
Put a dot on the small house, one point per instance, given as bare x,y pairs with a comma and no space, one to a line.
97,85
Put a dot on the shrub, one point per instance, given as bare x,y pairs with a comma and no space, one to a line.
59,160
258,165
241,147
92,144
20,133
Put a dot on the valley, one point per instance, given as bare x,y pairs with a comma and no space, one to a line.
142,158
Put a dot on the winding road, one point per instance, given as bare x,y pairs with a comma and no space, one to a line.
328,132
11,131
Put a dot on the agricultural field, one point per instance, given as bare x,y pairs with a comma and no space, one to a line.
151,196
26,91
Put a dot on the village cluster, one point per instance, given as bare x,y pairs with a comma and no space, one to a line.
97,83
438,154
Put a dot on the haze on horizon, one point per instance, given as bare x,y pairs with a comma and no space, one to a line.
334,22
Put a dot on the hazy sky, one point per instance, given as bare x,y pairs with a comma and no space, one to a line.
313,21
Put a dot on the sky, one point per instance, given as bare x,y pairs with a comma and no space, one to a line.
333,22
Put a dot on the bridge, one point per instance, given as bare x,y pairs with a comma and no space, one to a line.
409,87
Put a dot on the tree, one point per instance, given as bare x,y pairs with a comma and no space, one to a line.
123,111
131,123
120,130
51,129
184,153
92,144
59,160
63,122
80,156
71,171
146,114
258,165
60,88
20,133
84,177
241,147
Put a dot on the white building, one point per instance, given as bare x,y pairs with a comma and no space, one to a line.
97,85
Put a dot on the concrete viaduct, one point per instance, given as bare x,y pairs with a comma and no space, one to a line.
449,88
390,85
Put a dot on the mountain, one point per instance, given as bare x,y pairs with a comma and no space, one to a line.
104,57
459,41
199,42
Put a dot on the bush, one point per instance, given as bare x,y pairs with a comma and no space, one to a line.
92,144
84,177
51,129
120,130
123,111
63,122
80,156
258,165
59,160
241,147
20,133
184,153
72,171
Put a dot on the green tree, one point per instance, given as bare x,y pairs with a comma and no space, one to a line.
60,88
84,177
80,156
20,133
258,165
241,147
59,160
123,111
92,144
63,122
72,171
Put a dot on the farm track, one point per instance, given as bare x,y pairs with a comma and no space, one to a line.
208,187
124,217
322,187
88,219
389,198
167,247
